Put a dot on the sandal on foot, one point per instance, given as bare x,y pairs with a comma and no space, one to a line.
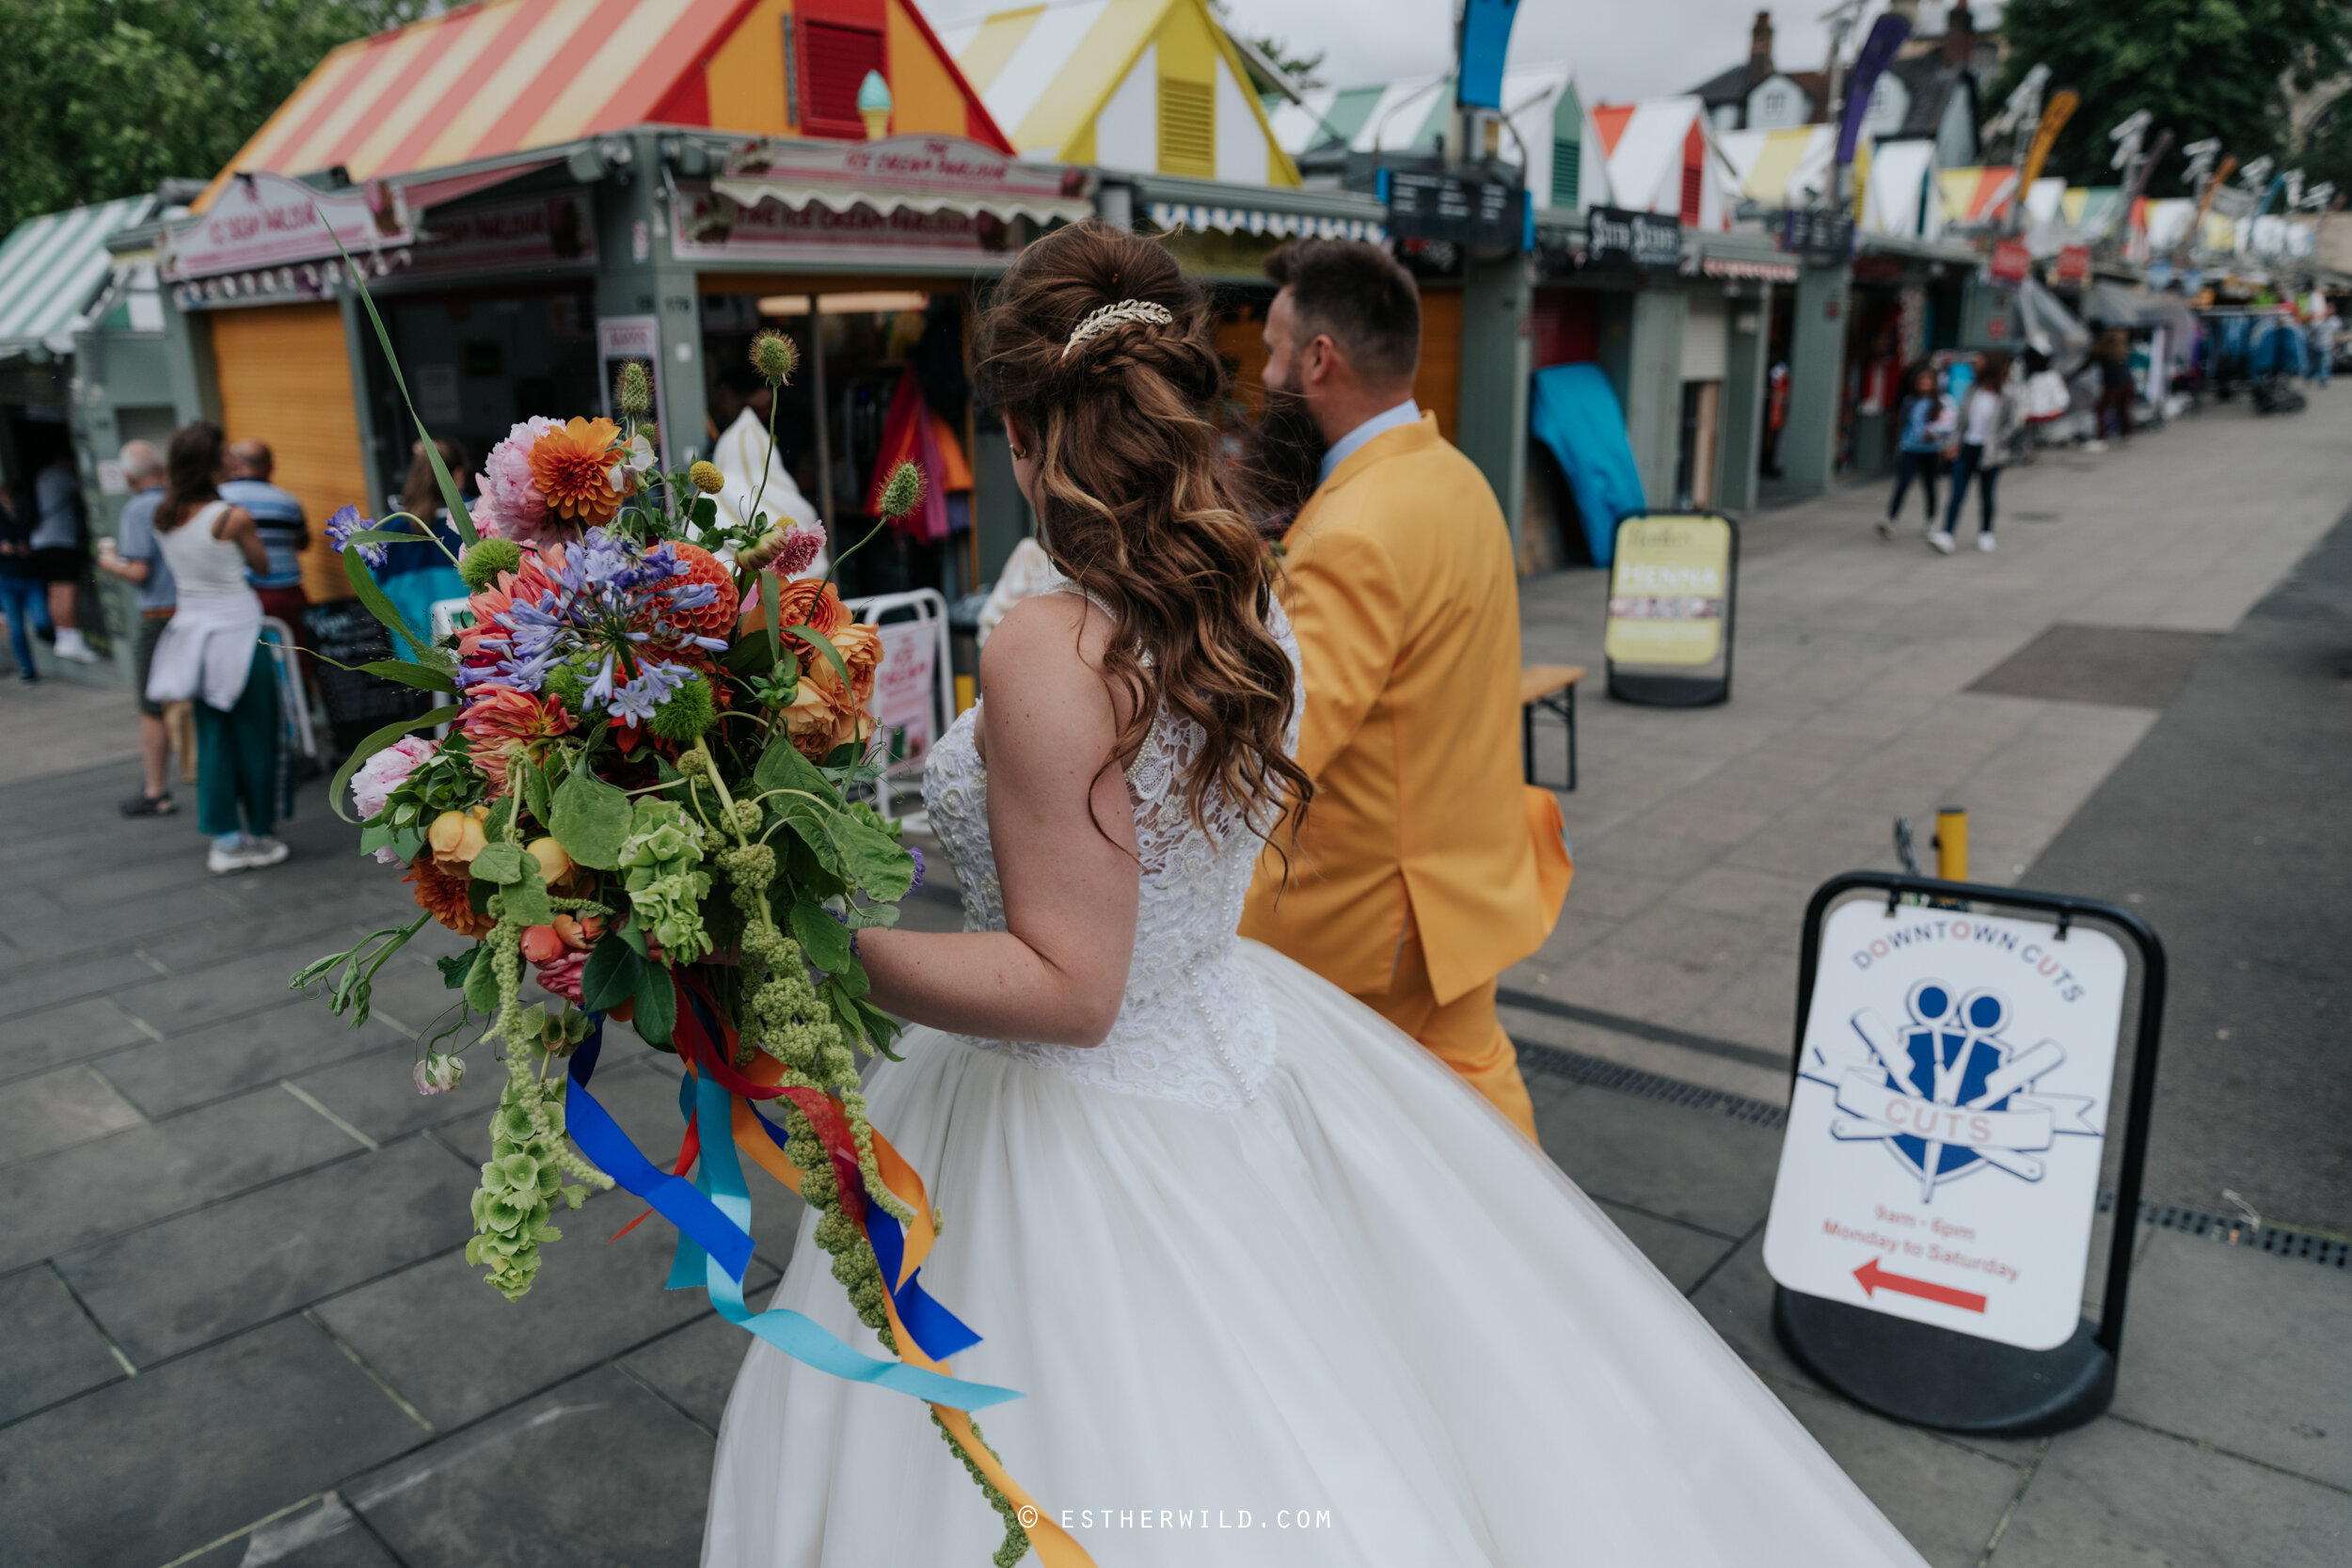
149,805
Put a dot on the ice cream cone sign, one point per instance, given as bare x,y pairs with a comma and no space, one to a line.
873,105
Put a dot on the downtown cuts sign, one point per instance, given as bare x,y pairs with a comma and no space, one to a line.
1942,1157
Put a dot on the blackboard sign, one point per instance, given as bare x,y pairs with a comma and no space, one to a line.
1822,232
1432,206
1615,237
356,705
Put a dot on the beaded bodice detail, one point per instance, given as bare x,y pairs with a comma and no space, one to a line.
1193,1025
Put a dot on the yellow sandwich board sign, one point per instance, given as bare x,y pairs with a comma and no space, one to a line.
1670,609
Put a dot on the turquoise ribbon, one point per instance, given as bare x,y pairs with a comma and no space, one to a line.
721,1179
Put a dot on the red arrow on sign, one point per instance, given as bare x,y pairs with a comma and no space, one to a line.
1875,1278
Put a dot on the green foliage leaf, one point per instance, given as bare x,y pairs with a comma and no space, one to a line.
657,1005
612,975
590,818
526,898
537,795
454,967
482,982
823,644
860,854
782,767
423,676
339,786
500,861
750,656
823,939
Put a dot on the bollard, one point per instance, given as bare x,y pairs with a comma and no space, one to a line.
1952,843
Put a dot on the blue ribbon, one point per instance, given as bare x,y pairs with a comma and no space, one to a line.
713,1216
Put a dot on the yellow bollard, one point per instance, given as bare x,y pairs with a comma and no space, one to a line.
1952,843
967,693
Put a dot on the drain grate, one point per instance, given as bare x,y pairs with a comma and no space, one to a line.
2327,1251
1603,1074
2119,666
2035,516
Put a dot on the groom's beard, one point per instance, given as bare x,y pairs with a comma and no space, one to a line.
1283,460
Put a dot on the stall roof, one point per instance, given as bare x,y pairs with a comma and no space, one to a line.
1409,116
52,267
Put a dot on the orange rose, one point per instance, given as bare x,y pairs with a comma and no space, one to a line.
811,601
824,714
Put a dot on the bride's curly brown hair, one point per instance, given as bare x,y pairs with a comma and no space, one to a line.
1137,506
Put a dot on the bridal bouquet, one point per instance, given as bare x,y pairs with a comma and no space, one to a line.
641,800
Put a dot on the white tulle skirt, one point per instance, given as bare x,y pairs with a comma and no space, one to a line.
1358,1321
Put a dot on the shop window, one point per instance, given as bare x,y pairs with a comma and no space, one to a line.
1567,152
1188,128
833,62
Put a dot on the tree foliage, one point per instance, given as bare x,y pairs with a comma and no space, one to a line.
108,97
2204,68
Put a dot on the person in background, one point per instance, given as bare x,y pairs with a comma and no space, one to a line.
1926,423
58,552
20,588
136,556
417,576
1988,428
2114,355
212,653
2325,328
285,533
755,476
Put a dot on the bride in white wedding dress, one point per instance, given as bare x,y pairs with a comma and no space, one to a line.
1277,1285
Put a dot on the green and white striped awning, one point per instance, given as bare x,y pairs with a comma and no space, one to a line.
53,266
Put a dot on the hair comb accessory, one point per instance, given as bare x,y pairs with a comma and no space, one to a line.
1103,320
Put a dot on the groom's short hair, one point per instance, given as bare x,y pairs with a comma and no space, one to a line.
1357,295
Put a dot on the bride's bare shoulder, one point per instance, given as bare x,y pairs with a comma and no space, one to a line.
1043,669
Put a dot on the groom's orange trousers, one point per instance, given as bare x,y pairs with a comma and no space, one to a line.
1464,1034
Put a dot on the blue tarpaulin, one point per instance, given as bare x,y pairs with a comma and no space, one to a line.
1576,415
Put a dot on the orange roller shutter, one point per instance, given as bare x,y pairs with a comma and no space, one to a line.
285,379
1437,386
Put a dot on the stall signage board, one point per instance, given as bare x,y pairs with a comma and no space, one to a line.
708,226
1942,1158
266,220
1669,589
547,230
1825,233
2010,261
622,338
1427,205
2074,264
1615,237
904,697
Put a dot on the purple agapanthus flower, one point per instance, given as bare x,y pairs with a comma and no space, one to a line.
346,522
612,601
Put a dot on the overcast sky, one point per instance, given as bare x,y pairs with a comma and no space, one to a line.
1621,51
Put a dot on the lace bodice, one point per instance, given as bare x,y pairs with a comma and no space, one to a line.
1193,1026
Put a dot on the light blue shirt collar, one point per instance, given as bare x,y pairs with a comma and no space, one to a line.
1346,446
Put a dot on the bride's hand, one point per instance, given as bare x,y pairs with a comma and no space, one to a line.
1064,832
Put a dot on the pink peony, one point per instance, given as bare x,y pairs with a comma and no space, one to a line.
380,775
561,977
517,511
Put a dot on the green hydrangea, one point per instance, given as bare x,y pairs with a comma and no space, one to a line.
661,838
667,906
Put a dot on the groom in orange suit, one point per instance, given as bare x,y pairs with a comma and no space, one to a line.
1426,868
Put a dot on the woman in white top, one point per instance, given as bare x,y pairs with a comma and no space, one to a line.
1987,427
212,652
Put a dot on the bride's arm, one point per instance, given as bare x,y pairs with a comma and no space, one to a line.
1057,975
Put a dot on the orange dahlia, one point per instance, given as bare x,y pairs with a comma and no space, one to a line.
443,895
717,618
579,472
536,576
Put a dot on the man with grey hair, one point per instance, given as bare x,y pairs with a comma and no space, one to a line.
134,556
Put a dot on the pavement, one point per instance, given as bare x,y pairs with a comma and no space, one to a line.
242,1331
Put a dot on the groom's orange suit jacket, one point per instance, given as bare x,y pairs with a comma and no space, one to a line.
1405,600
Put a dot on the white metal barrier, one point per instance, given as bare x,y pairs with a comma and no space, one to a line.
914,688
294,704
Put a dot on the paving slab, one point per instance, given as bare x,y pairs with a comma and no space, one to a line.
323,1534
375,1093
57,1110
75,1032
694,1367
1947,1499
1682,1253
2242,1350
597,1473
205,1276
116,1183
51,1350
239,987
157,1465
2115,1493
1717,1176
35,987
458,1350
293,1037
